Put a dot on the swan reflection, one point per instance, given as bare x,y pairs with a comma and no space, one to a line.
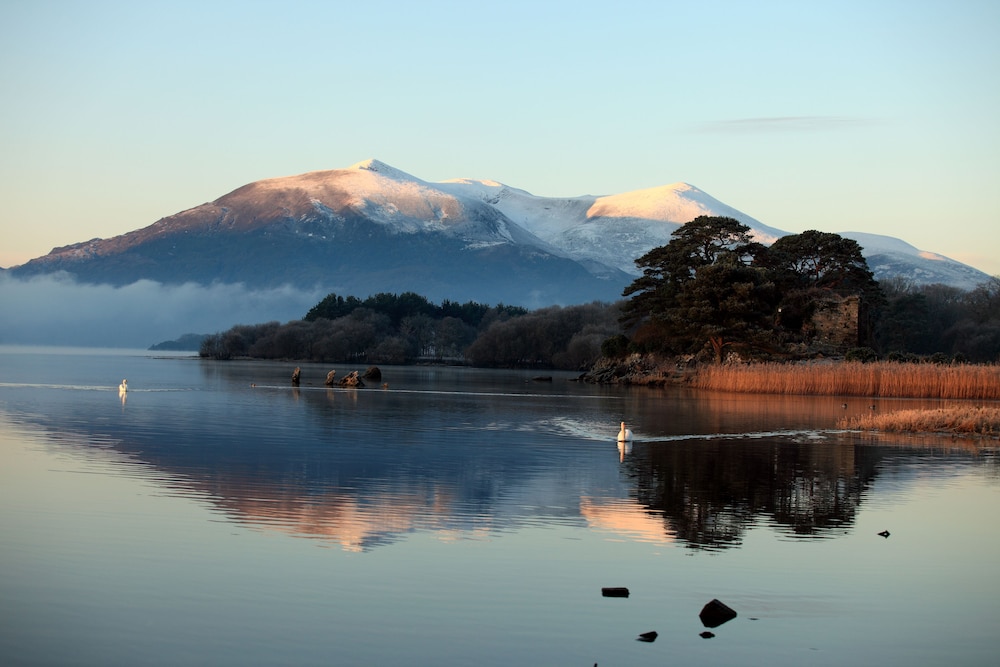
624,449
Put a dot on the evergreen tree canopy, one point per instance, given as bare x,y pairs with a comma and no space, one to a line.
726,303
702,242
821,260
713,285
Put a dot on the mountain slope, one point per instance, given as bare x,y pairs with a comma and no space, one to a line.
373,228
891,257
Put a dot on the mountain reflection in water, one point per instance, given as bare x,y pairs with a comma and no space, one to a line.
221,517
467,454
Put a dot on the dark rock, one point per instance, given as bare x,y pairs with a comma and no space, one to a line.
351,380
715,614
329,378
296,374
373,373
884,533
648,636
615,592
542,378
706,634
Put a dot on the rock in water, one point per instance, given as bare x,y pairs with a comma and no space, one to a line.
615,592
715,614
351,380
329,378
296,374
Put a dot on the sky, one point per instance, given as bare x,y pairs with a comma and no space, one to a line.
876,116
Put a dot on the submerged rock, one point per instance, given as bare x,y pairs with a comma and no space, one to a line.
615,592
648,636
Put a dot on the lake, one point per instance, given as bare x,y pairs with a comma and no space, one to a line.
216,515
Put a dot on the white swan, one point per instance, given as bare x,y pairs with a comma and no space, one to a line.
624,435
123,387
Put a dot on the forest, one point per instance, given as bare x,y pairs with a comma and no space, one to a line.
407,328
711,293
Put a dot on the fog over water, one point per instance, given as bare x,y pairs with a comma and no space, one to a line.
56,310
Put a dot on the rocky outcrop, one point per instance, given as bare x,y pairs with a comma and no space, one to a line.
639,369
351,380
329,378
373,373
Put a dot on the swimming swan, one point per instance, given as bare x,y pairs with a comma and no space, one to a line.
123,387
624,435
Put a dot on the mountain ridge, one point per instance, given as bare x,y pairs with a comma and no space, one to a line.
372,227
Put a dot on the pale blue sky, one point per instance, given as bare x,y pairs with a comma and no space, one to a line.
875,116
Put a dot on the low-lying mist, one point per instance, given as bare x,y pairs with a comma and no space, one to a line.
56,310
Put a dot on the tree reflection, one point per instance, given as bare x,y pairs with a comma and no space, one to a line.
711,491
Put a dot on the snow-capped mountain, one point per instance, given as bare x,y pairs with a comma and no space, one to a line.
373,228
888,257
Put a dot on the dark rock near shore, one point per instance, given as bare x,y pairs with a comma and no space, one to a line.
373,373
716,613
614,592
638,369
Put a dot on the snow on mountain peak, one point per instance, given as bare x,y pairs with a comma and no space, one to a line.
668,203
382,168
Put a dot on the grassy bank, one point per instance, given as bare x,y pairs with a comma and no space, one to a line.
880,379
960,420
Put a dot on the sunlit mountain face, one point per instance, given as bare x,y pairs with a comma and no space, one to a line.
372,228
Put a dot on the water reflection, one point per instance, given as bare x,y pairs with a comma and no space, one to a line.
710,492
626,518
467,455
624,449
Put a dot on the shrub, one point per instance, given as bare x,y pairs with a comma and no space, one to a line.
863,354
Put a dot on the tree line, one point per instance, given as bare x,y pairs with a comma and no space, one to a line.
939,322
710,292
405,328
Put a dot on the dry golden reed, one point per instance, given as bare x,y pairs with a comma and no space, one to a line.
959,420
850,378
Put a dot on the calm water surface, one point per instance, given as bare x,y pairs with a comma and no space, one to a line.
218,516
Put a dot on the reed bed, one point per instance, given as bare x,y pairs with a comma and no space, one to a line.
879,379
960,420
